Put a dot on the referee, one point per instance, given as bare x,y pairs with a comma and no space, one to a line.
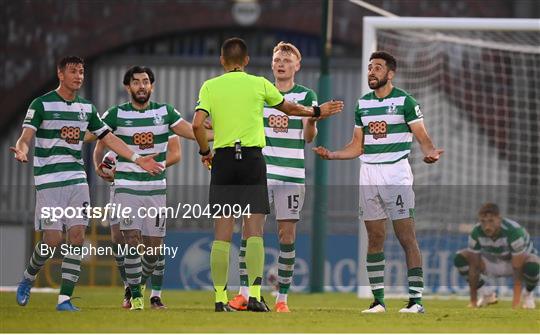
235,102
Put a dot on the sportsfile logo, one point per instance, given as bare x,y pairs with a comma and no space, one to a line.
50,215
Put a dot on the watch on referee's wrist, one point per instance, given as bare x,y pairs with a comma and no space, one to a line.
205,153
316,111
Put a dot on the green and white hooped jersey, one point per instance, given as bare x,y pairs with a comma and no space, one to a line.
145,132
512,240
385,123
284,150
60,126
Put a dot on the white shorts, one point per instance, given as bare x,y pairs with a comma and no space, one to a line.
144,221
386,191
72,196
497,269
287,199
113,220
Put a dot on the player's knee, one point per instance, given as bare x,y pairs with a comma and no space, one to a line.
116,236
76,239
460,260
52,240
531,270
132,238
376,238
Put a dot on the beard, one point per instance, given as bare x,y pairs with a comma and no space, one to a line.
380,83
140,100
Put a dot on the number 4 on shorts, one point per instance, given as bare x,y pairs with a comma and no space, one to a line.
399,201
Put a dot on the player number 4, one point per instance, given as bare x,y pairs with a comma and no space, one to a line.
399,201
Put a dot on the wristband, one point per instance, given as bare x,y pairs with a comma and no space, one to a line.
134,157
204,153
316,111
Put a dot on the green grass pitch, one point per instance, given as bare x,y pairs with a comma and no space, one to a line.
192,311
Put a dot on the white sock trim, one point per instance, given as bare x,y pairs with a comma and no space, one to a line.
62,298
244,290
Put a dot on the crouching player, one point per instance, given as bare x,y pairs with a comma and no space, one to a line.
498,247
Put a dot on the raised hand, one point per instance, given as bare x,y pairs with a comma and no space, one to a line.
324,153
150,165
19,155
99,172
433,156
207,160
330,108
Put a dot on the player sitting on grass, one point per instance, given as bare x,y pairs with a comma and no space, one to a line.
498,247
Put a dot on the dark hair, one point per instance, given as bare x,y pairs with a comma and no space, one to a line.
61,65
234,50
138,69
388,58
489,208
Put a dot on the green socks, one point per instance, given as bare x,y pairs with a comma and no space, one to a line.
255,265
416,284
286,258
219,268
375,269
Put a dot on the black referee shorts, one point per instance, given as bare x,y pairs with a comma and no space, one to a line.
239,182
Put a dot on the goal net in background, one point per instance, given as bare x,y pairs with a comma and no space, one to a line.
478,84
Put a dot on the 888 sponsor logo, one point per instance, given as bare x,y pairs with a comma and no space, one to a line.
144,140
280,123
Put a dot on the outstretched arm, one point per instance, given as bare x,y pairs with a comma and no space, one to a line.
431,154
310,128
474,277
23,145
200,134
352,150
517,266
327,109
147,162
186,130
174,151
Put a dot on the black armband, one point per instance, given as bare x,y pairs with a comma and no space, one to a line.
204,153
316,111
103,134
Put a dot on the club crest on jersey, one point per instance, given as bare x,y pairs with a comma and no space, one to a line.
392,109
82,116
158,119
